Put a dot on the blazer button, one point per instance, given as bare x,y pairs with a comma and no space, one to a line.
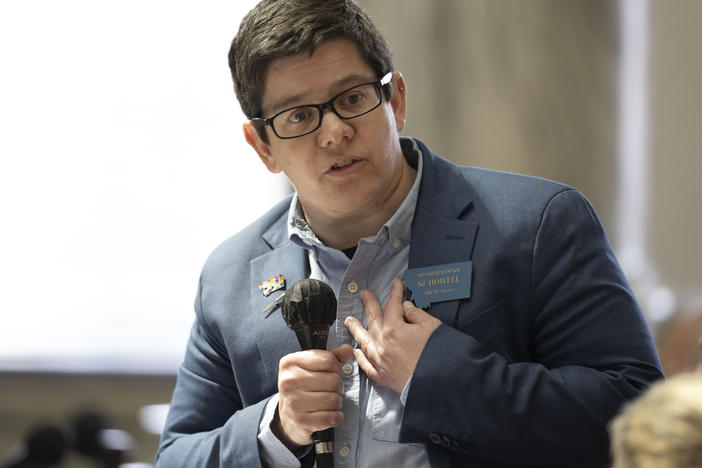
446,441
466,447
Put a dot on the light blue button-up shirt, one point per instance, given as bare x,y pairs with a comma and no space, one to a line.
369,435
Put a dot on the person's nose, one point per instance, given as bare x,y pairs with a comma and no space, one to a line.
333,130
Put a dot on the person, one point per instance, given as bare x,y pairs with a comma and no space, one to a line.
522,363
662,428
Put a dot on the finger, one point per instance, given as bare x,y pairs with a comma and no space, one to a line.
305,415
413,314
356,329
417,316
365,364
342,353
314,360
295,381
374,314
312,402
322,401
393,312
321,420
361,335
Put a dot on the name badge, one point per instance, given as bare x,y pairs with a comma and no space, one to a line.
439,283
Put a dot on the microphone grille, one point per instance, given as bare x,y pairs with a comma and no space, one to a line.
309,301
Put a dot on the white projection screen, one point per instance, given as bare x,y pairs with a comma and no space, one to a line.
122,165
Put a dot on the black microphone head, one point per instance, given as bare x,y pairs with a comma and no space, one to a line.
309,302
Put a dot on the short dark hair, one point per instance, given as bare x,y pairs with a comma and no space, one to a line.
279,28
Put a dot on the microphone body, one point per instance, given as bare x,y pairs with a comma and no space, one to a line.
309,309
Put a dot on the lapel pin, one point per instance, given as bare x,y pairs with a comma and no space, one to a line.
272,285
273,304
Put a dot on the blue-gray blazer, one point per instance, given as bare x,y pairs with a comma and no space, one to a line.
527,372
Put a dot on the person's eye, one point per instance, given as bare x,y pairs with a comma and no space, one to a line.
299,115
352,99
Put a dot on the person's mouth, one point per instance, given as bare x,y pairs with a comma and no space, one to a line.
343,165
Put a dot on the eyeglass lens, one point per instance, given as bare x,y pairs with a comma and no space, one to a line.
301,120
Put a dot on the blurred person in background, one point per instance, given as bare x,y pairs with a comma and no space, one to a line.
662,428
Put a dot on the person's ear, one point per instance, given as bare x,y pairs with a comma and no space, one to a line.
398,101
262,148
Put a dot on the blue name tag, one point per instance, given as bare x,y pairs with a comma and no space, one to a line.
439,283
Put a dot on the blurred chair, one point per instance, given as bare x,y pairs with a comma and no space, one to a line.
678,342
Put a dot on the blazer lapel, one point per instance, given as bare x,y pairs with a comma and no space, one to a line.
275,338
440,232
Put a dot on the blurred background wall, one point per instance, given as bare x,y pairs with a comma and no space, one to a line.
526,86
572,90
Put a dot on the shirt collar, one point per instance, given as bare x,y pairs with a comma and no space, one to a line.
396,230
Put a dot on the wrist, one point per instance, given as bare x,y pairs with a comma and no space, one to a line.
277,429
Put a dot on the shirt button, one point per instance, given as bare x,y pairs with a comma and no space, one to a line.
347,368
397,243
344,450
352,287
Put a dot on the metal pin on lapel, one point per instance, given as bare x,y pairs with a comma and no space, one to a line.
274,303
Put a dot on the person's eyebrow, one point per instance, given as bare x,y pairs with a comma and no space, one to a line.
341,85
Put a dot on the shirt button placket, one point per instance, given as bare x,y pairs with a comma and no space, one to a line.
347,368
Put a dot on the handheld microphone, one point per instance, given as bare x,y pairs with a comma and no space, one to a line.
309,308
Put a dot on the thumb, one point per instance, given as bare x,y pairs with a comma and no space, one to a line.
343,352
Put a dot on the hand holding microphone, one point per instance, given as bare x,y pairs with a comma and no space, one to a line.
309,382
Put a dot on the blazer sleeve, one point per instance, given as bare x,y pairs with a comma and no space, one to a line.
590,351
207,425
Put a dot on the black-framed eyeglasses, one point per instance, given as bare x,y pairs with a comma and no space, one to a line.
302,120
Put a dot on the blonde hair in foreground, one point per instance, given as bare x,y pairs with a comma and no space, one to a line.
662,428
